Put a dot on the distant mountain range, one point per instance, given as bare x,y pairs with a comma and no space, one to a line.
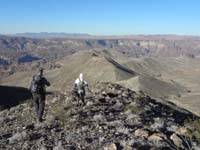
49,35
15,48
42,35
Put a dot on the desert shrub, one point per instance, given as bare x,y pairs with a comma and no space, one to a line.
133,108
193,126
123,130
60,114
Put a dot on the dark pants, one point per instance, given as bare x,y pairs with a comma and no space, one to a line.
39,102
81,95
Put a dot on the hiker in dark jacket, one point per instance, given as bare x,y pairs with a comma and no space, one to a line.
38,91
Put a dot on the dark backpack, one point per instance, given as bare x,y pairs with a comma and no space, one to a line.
37,86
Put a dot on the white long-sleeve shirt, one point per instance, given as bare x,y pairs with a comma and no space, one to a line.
77,81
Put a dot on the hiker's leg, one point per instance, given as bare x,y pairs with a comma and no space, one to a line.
41,106
83,101
83,97
78,98
36,103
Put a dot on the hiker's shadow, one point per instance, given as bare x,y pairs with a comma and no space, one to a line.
12,96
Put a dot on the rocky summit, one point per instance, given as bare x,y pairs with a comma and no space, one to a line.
114,118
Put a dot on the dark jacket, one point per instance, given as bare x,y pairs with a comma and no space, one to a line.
43,83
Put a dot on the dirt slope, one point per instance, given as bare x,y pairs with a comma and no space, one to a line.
95,68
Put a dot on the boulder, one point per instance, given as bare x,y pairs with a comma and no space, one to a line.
18,137
158,124
128,148
172,128
43,148
176,140
141,133
111,147
89,103
182,131
59,146
157,137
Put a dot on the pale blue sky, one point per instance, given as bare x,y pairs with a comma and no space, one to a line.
101,17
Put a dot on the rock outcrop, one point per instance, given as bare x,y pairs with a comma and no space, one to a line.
113,118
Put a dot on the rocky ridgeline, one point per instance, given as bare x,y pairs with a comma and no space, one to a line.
113,118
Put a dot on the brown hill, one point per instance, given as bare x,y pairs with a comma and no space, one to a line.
95,68
171,79
154,87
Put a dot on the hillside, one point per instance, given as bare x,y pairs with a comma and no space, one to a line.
164,67
154,87
95,68
114,118
25,54
158,79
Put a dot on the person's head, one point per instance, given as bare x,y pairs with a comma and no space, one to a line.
81,76
40,71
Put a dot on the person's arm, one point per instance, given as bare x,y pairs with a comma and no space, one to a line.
86,84
47,83
76,84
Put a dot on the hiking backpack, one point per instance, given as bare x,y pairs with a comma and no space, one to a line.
36,85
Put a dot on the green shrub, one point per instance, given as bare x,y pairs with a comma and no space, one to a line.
60,113
193,129
133,108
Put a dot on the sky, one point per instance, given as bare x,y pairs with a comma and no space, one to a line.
101,17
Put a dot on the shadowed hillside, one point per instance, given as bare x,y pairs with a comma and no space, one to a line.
12,96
